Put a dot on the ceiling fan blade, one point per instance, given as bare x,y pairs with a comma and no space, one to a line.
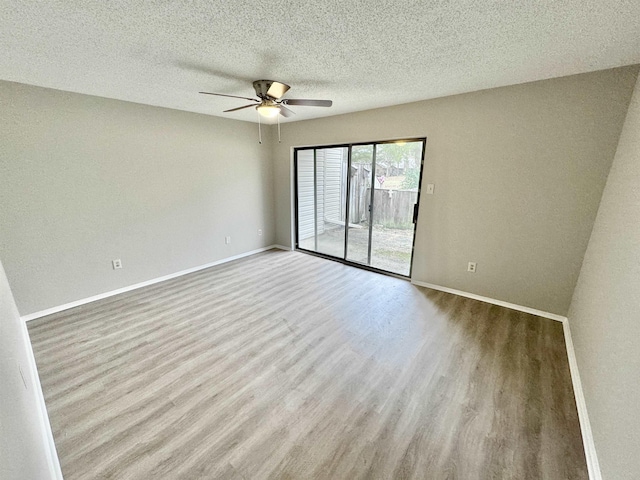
307,103
239,108
285,112
232,96
277,90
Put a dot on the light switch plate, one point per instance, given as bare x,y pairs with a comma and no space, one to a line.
430,188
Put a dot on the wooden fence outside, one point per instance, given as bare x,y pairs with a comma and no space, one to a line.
393,208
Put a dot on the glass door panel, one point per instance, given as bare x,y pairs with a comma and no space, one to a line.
359,201
321,190
397,173
306,199
330,208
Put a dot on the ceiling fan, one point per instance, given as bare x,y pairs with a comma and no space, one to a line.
269,102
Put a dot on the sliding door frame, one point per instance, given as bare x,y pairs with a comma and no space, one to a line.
349,147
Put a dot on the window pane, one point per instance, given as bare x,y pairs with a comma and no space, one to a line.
395,194
321,200
360,198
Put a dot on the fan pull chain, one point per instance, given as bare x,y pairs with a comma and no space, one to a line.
259,131
279,128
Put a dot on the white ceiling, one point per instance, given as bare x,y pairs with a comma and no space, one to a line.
361,54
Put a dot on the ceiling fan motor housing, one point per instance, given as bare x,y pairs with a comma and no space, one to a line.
270,89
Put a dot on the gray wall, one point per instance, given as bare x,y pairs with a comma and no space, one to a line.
24,452
519,172
605,312
84,180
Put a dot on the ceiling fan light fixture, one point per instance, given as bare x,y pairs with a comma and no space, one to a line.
268,111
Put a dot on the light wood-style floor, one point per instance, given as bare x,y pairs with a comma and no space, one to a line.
287,366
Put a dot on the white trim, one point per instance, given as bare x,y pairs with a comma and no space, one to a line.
77,303
513,306
55,473
591,456
282,247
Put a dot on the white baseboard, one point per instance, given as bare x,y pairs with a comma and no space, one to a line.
77,303
55,473
282,247
493,301
593,466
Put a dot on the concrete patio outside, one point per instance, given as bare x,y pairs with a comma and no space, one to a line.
390,247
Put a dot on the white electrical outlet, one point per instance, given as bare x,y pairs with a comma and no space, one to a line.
430,188
260,232
227,240
117,263
471,267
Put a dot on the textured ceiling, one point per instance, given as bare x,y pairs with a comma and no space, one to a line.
361,54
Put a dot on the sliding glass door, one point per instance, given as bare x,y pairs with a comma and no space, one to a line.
358,202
